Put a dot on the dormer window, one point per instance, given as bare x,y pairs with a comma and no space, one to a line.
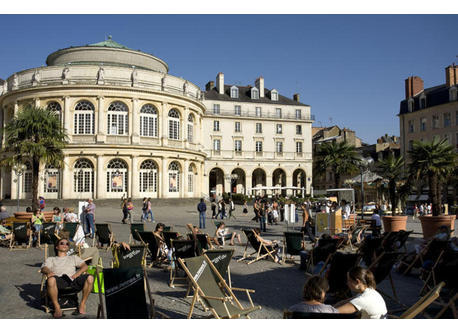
422,102
452,93
410,104
254,93
274,95
234,92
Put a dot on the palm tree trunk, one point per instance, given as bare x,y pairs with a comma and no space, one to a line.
35,176
433,194
392,190
336,180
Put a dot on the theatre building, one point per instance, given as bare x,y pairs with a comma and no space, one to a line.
137,131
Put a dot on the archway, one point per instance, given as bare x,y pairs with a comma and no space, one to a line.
258,180
279,179
238,181
216,182
299,180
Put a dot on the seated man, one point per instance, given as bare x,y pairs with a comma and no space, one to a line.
3,213
61,272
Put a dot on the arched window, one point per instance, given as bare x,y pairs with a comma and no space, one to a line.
190,128
191,171
83,176
148,176
234,92
51,179
117,176
56,108
174,125
148,121
118,120
174,177
27,178
83,118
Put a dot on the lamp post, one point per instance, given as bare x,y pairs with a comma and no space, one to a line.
19,170
364,165
231,178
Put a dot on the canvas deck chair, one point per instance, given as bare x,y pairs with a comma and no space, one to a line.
47,234
433,250
133,238
221,259
323,252
318,315
124,258
103,235
21,234
202,242
336,275
180,249
168,236
71,228
293,244
67,298
149,241
262,250
356,235
212,290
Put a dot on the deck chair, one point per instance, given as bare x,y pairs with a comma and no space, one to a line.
149,241
432,251
262,250
47,234
180,249
336,274
202,242
221,259
133,238
212,290
71,228
124,258
103,235
21,234
318,315
293,244
323,252
67,298
356,234
168,236
124,296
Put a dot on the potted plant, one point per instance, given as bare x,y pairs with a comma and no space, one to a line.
390,169
433,161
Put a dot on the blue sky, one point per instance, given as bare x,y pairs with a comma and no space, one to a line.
349,68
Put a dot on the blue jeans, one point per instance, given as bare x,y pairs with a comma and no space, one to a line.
262,223
89,225
146,214
202,220
37,228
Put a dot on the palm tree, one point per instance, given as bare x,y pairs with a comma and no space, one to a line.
391,168
433,161
35,135
340,157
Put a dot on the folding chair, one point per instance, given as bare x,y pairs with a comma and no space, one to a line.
432,251
262,250
168,236
103,235
320,315
47,234
133,235
340,264
67,298
221,258
356,234
71,228
21,234
123,258
323,252
212,290
293,244
149,241
180,249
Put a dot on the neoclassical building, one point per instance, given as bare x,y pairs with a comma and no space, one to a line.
137,131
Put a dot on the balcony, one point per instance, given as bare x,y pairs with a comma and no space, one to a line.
264,115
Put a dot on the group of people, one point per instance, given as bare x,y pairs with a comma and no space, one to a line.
222,209
266,211
127,207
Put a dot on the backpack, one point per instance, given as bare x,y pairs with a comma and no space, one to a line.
130,206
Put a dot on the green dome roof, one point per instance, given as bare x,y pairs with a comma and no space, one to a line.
110,43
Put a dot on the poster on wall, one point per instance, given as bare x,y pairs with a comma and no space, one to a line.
173,183
116,181
52,182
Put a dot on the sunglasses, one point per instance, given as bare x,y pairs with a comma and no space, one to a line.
63,243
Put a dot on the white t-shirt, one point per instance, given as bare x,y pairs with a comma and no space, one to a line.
370,303
63,265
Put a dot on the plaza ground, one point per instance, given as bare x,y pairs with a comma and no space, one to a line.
277,286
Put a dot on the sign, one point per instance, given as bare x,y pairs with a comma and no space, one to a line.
117,181
173,183
52,182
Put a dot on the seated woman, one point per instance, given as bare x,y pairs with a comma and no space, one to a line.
37,221
271,245
57,218
368,301
222,234
313,295
163,249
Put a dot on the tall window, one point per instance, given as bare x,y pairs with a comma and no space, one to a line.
216,109
117,176
411,126
298,114
274,95
279,129
216,125
258,146
447,119
27,179
234,92
278,112
422,124
238,145
279,147
174,125
190,128
435,121
258,127
254,93
258,111
237,126
298,129
56,108
148,121
298,147
83,176
174,177
51,179
217,145
148,176
422,102
118,119
191,178
237,110
83,118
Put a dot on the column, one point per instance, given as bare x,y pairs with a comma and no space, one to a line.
16,108
269,180
15,183
164,124
68,123
101,130
227,182
164,179
185,179
134,180
200,130
100,178
4,117
205,180
248,183
129,181
66,186
184,130
134,125
289,182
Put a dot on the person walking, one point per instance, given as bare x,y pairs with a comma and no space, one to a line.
90,217
262,217
130,209
213,207
144,209
231,209
149,210
125,211
202,209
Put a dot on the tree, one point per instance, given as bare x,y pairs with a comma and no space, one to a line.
391,169
340,157
434,161
35,135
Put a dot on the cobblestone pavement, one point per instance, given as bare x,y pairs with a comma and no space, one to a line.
277,286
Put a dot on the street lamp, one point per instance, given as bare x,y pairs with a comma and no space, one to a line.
364,165
19,170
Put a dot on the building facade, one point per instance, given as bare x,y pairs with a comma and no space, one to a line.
134,130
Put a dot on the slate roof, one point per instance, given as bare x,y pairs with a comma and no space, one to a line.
434,96
245,96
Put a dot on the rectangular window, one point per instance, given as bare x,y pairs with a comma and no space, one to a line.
435,121
27,182
148,125
237,126
279,147
258,112
422,124
174,129
216,125
238,110
447,119
258,127
298,147
216,109
258,146
190,182
238,145
279,129
278,112
299,129
298,114
216,145
190,133
411,126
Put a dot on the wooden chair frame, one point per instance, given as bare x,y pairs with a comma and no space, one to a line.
285,247
13,236
174,271
157,260
260,246
96,238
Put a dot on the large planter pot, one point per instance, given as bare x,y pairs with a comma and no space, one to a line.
28,216
394,223
431,224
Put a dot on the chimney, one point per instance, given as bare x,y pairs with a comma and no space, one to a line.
220,83
210,85
296,97
451,75
259,83
414,86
